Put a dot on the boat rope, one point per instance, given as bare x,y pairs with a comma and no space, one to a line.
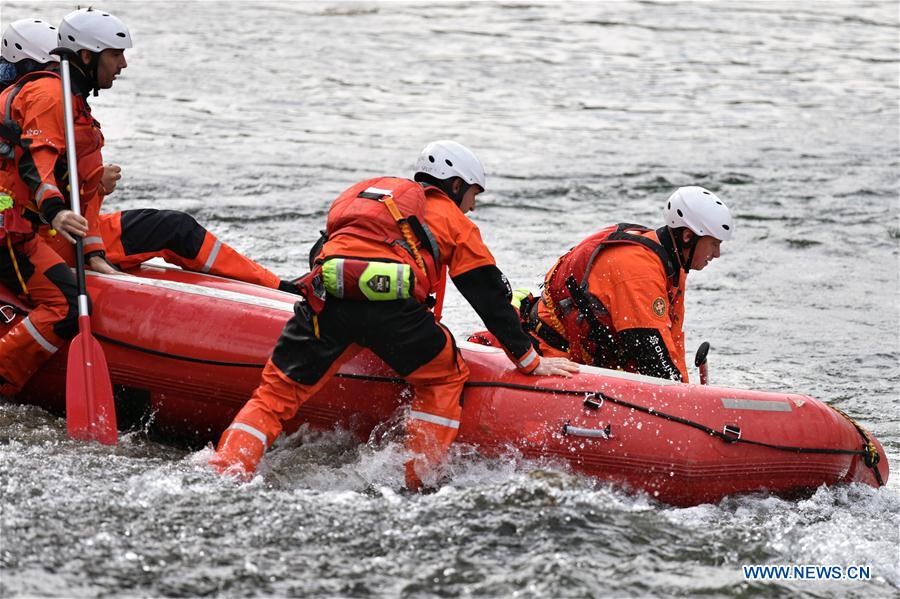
870,454
172,356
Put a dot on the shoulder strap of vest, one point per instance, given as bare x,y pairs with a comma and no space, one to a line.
9,129
419,229
623,234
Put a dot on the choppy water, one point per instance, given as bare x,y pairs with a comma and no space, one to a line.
253,115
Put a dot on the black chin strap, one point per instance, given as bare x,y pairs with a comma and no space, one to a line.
92,72
680,245
446,186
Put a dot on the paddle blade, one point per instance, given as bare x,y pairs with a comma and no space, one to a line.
90,409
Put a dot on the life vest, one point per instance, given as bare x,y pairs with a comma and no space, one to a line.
390,211
582,324
21,219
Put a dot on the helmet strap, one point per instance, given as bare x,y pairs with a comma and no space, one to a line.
681,246
92,71
446,185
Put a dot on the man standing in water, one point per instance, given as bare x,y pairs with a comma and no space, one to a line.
616,300
388,244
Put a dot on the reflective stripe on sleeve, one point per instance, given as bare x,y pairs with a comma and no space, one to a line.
41,340
339,277
530,357
240,426
93,240
212,257
439,420
42,191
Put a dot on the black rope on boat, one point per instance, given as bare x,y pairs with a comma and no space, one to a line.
870,453
163,354
870,461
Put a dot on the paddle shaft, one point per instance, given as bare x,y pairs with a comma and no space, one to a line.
96,394
74,195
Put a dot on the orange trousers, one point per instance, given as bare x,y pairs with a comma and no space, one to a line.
51,290
132,237
403,333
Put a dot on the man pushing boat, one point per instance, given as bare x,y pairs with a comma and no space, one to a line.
390,243
37,225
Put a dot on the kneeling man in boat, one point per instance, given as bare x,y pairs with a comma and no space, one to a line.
128,238
37,226
34,176
616,300
390,243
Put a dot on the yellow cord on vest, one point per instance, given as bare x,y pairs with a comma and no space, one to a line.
12,256
405,229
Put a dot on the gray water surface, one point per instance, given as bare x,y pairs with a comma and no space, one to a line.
253,116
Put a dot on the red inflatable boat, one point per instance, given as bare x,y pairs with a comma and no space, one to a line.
190,348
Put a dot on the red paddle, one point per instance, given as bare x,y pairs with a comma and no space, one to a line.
90,410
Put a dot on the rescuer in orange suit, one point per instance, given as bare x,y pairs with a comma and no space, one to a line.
616,300
34,177
388,243
131,237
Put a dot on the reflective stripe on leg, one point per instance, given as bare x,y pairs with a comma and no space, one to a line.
240,426
41,340
212,257
439,420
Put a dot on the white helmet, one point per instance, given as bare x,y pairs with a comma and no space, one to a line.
445,159
699,210
94,30
29,38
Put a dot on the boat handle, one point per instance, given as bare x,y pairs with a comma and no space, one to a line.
7,313
732,431
595,433
593,401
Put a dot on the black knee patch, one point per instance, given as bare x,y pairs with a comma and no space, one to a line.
8,274
61,276
149,230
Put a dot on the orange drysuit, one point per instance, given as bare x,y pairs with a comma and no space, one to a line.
616,301
402,332
34,175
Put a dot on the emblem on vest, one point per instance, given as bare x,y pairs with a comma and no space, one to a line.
659,306
379,283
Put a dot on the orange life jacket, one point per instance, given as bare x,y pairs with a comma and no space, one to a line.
582,320
390,211
22,218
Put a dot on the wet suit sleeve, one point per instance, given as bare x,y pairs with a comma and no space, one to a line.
473,270
487,290
39,111
647,350
93,241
